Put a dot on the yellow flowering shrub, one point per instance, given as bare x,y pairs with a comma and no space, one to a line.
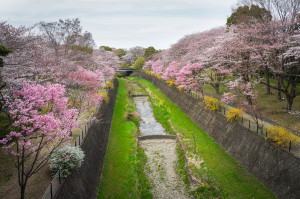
281,136
110,85
158,76
234,114
149,72
105,96
212,103
170,82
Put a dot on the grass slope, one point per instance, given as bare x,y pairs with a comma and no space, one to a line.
222,176
123,175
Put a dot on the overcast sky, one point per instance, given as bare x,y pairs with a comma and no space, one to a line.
124,23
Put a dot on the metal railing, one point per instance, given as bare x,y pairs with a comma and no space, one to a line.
57,179
251,125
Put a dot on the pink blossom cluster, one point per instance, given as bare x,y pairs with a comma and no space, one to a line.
158,67
108,73
85,85
148,65
41,115
241,94
189,77
171,71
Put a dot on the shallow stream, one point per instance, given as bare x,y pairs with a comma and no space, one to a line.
161,154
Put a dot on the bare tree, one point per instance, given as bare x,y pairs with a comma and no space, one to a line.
65,34
286,11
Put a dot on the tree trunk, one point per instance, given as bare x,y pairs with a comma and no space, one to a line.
267,77
290,96
217,90
279,97
289,103
22,192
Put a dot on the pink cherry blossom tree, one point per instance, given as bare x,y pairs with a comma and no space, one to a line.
171,71
42,121
190,77
148,65
243,94
108,73
84,86
104,58
158,67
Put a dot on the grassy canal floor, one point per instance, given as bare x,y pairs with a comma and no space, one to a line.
123,175
220,175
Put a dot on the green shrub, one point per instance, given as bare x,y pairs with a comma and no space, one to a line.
139,63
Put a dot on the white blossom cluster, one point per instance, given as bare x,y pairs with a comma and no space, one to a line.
66,159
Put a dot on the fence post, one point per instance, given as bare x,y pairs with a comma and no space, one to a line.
290,146
59,180
75,143
51,193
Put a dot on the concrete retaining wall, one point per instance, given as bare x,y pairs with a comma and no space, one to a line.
275,167
84,183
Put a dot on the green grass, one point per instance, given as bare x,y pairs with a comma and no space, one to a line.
222,176
180,167
123,175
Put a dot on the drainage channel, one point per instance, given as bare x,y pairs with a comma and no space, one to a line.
160,149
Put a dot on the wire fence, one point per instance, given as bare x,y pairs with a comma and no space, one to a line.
252,125
57,179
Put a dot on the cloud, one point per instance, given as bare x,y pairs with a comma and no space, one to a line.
125,23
